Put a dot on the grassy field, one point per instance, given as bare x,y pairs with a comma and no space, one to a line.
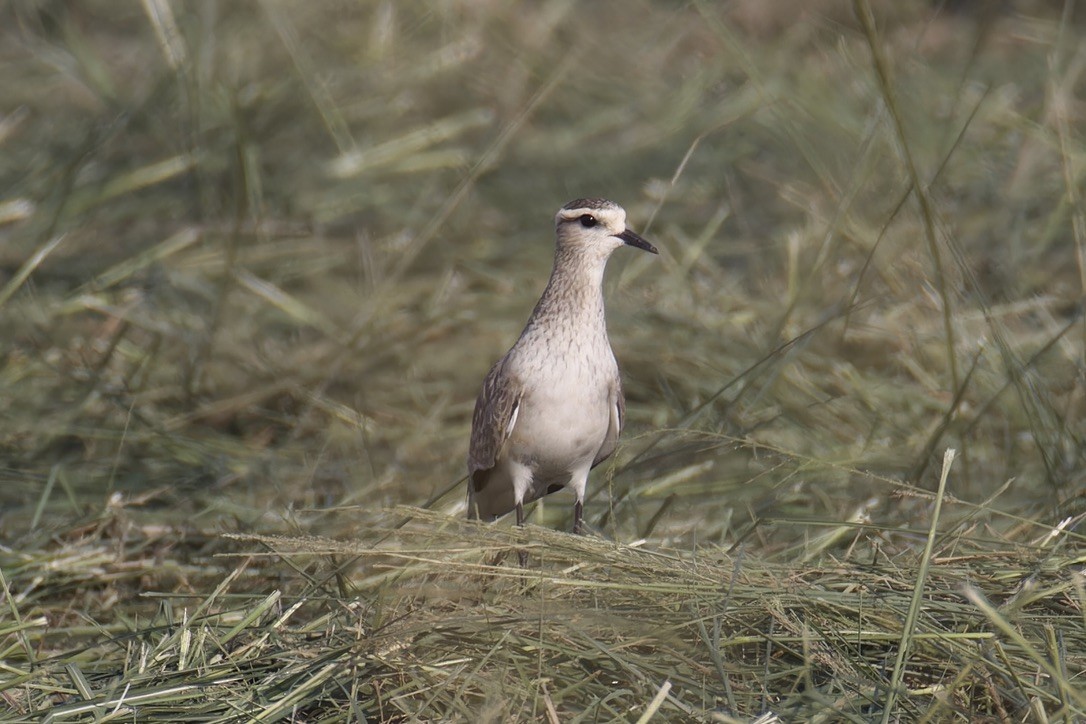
256,257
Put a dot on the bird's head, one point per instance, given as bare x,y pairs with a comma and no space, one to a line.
596,225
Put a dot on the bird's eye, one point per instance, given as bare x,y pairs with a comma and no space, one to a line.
588,221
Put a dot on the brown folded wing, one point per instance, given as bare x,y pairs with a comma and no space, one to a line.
491,425
618,419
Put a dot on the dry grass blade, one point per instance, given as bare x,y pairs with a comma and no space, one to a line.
909,626
157,254
168,34
27,269
410,144
1056,672
654,705
141,178
286,303
927,210
12,210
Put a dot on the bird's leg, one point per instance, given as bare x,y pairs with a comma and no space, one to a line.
521,554
578,511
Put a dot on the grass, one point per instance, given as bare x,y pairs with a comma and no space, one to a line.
256,259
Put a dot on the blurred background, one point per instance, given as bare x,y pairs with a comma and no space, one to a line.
256,257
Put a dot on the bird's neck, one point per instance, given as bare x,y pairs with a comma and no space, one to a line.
574,294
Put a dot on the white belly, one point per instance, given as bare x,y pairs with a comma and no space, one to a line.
558,434
562,421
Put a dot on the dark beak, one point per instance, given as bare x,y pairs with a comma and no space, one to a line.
633,239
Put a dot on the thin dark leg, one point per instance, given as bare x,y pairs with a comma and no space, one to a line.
521,554
578,511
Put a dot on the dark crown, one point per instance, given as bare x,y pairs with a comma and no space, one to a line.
578,204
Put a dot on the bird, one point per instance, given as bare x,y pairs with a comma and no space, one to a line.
552,408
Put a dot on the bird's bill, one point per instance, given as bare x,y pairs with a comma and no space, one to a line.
632,239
